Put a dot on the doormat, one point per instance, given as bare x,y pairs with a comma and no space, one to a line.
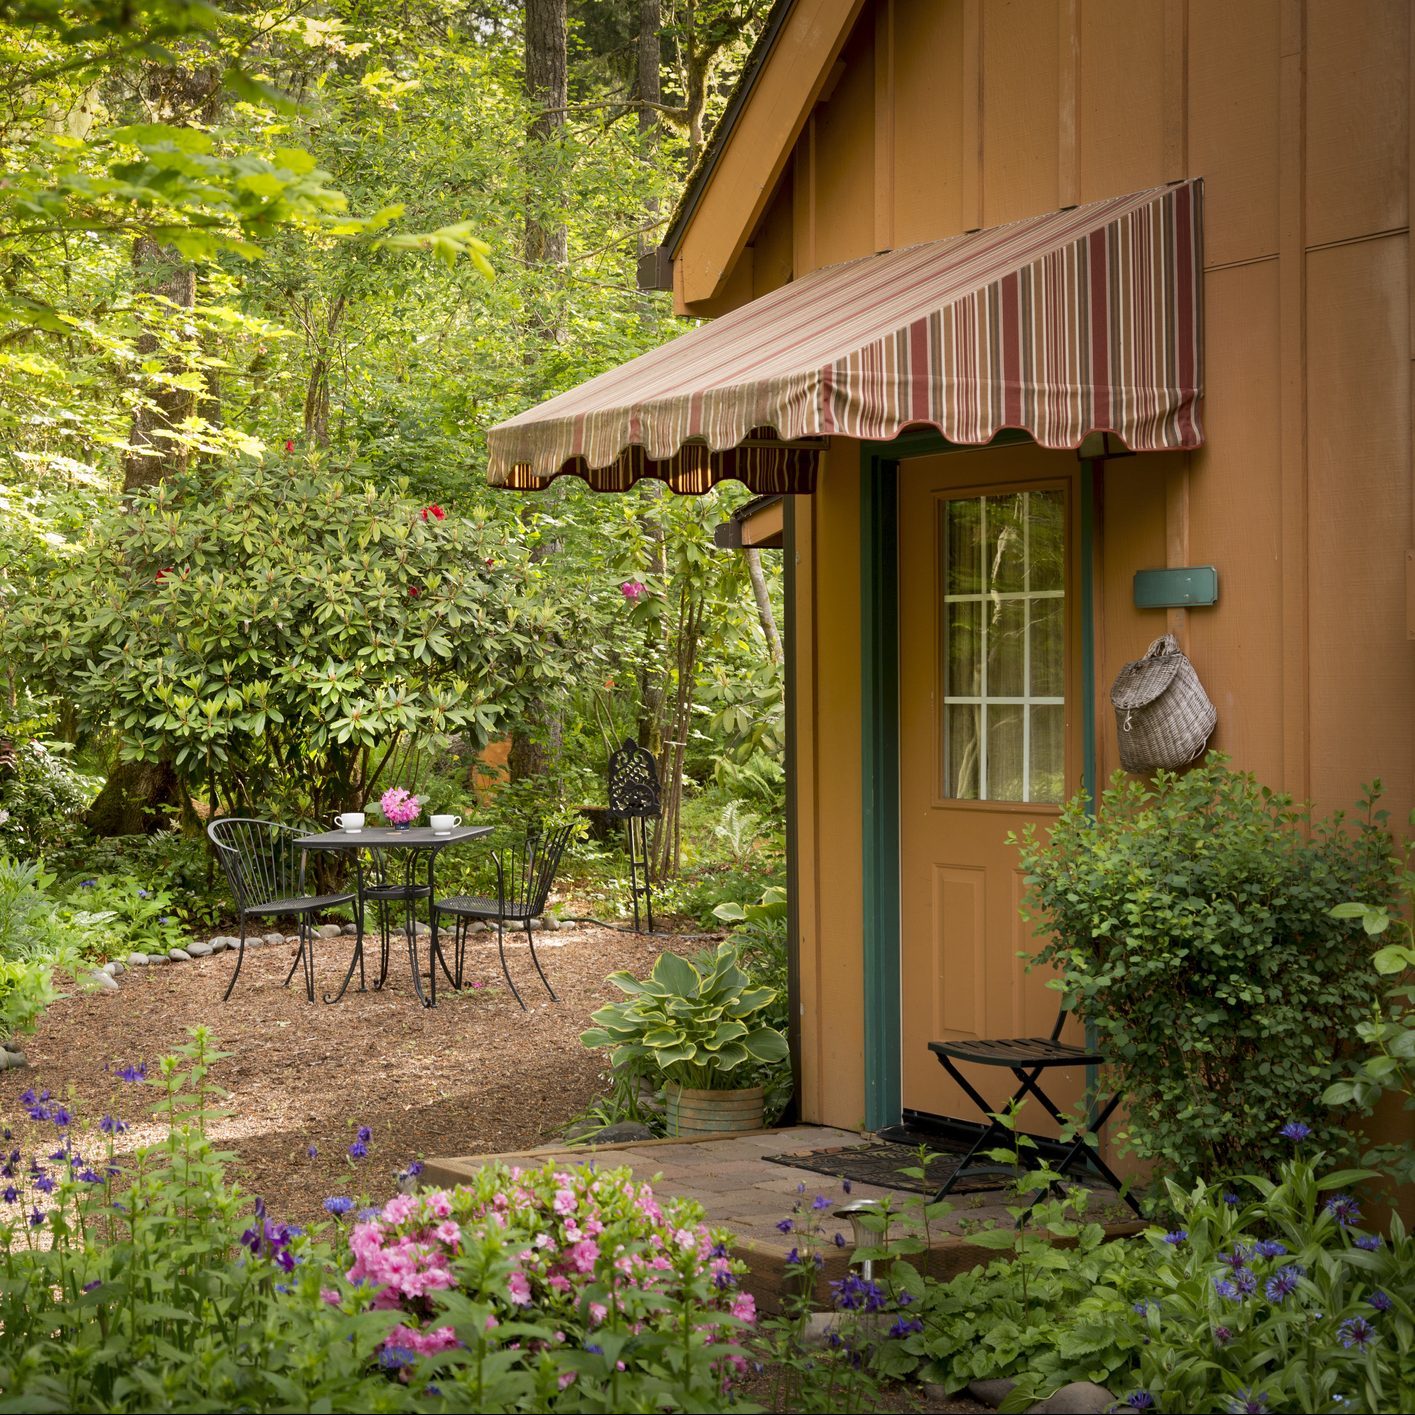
880,1163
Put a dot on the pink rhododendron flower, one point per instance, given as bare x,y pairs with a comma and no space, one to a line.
632,590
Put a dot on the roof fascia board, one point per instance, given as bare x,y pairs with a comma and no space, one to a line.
734,190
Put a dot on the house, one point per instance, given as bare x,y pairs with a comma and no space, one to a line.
1010,300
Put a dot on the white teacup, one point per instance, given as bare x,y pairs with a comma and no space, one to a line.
350,821
445,825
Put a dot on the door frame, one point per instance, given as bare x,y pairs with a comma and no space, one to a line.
879,735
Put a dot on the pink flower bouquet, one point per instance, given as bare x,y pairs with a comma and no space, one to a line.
399,807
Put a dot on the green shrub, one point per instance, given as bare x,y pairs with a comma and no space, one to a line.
41,798
179,865
1191,923
138,918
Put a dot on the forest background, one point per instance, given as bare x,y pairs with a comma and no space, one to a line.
267,275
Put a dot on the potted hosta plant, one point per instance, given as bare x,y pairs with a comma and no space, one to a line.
696,1025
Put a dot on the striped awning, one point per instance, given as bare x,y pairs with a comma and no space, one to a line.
1086,320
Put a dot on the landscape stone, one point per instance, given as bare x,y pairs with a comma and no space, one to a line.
137,960
991,1393
1078,1398
218,945
199,950
103,981
225,941
275,938
351,930
11,1044
330,930
156,958
287,938
115,967
179,955
623,1132
551,922
12,1060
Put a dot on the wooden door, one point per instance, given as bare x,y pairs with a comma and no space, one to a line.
990,740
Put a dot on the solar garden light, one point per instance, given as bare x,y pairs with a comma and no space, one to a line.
860,1236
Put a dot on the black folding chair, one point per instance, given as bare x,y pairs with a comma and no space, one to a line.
524,875
1026,1058
266,871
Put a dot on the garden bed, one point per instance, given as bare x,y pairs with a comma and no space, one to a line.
475,1072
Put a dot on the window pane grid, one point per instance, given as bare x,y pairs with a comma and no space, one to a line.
1010,754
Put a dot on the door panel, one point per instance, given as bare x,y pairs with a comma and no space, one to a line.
990,740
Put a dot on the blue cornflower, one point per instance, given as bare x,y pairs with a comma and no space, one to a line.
165,919
1222,1336
785,1225
338,1205
1225,1288
1380,1301
109,1126
1356,1331
1295,1131
1249,1402
1344,1209
820,1202
1237,1260
395,1358
1246,1282
133,1073
1140,1400
1230,1198
1270,1248
367,1215
1177,1237
1142,1309
1368,1242
1283,1283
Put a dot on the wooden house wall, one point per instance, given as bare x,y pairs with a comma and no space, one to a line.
953,114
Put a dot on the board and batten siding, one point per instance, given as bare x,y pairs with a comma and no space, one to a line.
939,116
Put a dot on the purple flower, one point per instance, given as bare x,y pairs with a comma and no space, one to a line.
87,1176
312,1151
785,1225
1249,1402
1344,1209
1230,1198
338,1205
143,894
1246,1282
1295,1131
1368,1242
1270,1248
109,1126
44,1184
358,1150
1142,1309
820,1202
1225,1288
87,883
36,1218
1140,1400
905,1327
396,1358
854,1293
1356,1331
133,1073
11,1194
1283,1283
845,1186
1380,1301
1222,1336
793,1259
1237,1260
364,1134
839,1240
1179,1236
89,1286
415,1169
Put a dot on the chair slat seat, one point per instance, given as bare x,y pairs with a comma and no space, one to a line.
1018,1051
478,906
304,904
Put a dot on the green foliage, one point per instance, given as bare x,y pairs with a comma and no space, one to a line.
694,1022
281,633
1220,1328
32,938
1191,923
39,798
169,863
136,918
1389,1032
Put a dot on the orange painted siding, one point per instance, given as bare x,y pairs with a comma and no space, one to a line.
962,113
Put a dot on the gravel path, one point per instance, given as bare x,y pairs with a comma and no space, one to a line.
474,1074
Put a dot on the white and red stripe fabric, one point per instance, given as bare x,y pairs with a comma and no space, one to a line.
1085,320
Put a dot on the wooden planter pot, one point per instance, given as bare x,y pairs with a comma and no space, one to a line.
690,1112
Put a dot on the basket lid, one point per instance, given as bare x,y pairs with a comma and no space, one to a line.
1139,683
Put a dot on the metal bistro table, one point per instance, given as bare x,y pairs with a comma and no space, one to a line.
417,840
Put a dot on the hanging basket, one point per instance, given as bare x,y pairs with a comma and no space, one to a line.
1163,716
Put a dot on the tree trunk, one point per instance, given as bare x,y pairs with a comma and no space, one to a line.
668,843
648,84
133,797
535,744
159,270
763,598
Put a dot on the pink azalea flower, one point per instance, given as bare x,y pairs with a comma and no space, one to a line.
518,1289
399,1208
448,1233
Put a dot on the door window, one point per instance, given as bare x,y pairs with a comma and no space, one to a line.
1002,577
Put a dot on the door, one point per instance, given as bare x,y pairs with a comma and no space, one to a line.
990,741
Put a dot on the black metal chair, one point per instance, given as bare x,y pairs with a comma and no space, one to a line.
385,893
1026,1058
524,875
635,798
266,871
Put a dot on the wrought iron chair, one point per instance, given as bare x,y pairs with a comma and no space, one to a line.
634,798
1027,1058
385,893
266,871
524,875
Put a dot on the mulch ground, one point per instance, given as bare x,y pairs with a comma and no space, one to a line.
475,1074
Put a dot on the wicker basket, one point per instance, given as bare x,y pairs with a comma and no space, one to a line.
1163,716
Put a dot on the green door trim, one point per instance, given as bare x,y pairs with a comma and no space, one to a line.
879,739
